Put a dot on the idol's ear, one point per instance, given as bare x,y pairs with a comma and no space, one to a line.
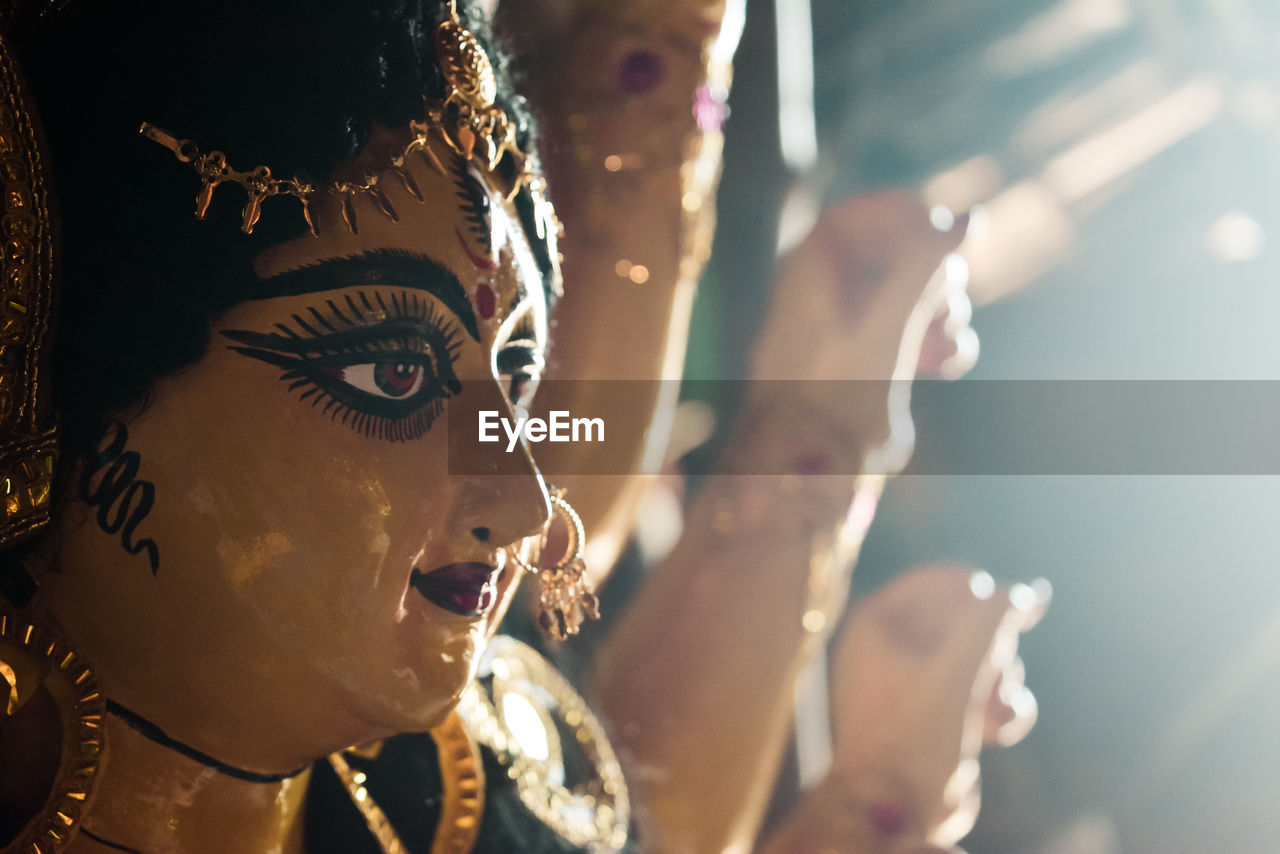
27,266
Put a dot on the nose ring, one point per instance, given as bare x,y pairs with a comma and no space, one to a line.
565,593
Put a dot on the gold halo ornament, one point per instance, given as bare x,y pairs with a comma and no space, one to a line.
35,660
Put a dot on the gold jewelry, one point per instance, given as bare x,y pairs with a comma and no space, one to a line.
34,658
213,170
374,817
564,588
27,433
462,772
521,722
467,120
468,117
462,775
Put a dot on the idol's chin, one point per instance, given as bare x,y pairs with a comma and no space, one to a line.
412,679
411,706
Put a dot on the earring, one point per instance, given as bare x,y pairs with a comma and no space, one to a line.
564,589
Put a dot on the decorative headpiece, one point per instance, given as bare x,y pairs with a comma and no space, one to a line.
28,442
467,119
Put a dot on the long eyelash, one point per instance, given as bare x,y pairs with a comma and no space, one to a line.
337,312
319,318
474,204
405,305
305,328
355,309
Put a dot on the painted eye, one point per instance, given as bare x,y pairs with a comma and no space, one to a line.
386,377
392,380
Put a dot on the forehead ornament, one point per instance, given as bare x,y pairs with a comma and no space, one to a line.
214,170
467,120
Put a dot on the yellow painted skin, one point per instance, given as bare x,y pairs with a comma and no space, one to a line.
280,625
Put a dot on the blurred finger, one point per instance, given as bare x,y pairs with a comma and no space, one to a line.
949,350
964,357
1031,601
1025,712
1011,707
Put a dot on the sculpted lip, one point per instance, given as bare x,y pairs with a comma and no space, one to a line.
462,588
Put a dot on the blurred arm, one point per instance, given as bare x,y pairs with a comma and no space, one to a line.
697,678
629,98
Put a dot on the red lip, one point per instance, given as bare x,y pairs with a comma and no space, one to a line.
461,588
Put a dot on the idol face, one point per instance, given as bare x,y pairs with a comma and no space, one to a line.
299,570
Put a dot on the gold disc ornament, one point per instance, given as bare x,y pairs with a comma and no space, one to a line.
521,720
45,685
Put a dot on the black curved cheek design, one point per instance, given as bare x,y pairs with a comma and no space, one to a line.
111,484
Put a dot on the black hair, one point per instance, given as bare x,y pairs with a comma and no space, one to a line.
293,84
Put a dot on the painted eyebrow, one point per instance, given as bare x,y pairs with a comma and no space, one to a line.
396,267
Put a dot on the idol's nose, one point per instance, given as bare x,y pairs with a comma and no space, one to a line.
500,509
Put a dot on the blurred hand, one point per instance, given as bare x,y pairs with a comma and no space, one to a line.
855,298
925,673
873,293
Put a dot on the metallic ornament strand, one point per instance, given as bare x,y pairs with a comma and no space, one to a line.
214,170
467,120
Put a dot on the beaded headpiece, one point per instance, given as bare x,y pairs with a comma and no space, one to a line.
467,119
